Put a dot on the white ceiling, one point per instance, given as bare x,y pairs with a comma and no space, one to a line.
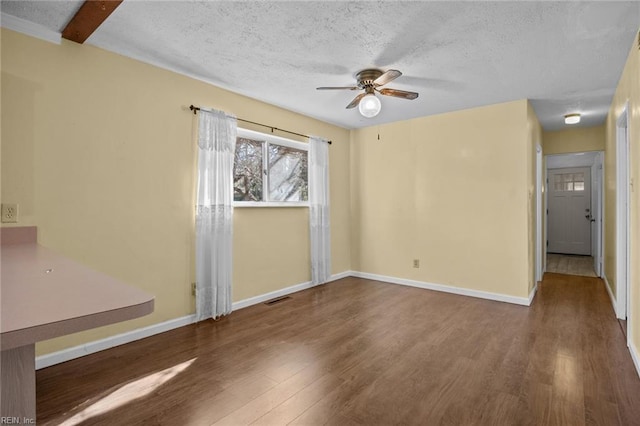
564,56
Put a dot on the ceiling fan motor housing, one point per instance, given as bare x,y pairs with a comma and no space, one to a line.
367,77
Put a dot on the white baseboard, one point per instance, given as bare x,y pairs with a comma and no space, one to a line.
635,357
64,355
611,296
111,342
271,295
340,276
632,349
525,301
283,292
532,294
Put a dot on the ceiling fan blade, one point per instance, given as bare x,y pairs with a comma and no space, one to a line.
356,101
387,77
338,88
398,93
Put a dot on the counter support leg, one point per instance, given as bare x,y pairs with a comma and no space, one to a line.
18,384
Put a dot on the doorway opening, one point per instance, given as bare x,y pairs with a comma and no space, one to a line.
574,210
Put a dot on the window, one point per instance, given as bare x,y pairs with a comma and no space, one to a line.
269,171
568,182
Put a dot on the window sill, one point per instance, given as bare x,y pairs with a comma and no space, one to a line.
243,204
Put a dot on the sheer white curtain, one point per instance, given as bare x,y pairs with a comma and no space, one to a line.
214,213
319,210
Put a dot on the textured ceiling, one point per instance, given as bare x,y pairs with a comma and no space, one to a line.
564,56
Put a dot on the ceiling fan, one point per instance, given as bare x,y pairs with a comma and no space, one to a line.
369,80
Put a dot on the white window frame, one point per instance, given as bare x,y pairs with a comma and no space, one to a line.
276,140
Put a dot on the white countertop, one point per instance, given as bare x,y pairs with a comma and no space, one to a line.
45,295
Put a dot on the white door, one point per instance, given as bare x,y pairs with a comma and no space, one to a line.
570,211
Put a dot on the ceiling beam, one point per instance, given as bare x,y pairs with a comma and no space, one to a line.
89,17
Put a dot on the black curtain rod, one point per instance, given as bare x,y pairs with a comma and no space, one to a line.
195,108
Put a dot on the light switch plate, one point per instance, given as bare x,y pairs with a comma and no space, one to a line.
9,213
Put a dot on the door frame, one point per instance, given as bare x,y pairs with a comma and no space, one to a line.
597,179
600,247
622,216
541,251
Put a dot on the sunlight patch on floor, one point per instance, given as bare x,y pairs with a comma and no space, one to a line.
127,393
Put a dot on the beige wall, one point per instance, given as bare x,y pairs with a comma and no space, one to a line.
449,190
98,151
574,139
628,90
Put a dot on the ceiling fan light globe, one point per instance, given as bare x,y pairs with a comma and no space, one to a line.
572,119
369,106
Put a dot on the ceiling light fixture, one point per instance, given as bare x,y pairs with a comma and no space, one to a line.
572,119
370,80
369,105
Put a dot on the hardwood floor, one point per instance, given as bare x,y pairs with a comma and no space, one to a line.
570,264
363,352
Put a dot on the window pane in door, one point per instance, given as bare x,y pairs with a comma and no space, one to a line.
557,183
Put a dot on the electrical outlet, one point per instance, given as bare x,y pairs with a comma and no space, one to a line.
416,263
193,289
9,213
